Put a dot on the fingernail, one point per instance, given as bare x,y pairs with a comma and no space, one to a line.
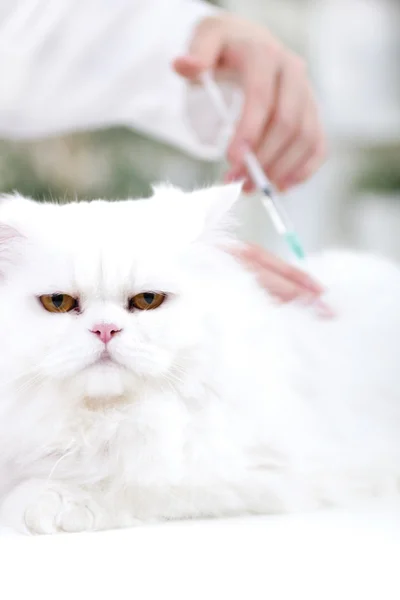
285,185
323,310
192,59
248,186
282,189
306,299
315,303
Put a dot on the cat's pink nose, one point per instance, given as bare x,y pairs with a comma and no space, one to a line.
105,331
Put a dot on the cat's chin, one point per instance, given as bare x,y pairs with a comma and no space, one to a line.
104,382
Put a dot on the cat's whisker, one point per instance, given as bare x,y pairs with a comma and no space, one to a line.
68,452
31,383
25,385
62,359
179,369
13,380
171,377
169,382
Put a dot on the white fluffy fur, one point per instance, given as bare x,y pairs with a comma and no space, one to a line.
220,402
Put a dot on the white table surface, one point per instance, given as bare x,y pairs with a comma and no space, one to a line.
323,556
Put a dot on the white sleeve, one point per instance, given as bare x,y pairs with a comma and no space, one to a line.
83,64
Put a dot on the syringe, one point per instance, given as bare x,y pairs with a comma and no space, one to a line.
269,200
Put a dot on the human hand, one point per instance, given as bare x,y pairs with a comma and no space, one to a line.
279,119
280,279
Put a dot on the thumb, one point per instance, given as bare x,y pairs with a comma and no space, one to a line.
204,52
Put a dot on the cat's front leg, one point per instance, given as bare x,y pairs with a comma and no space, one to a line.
36,506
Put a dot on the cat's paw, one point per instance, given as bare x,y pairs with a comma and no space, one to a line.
58,511
38,507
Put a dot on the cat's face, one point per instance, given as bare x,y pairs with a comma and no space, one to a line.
106,295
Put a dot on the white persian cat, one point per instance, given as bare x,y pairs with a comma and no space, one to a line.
145,375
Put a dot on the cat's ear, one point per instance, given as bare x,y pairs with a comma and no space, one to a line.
206,212
9,238
192,215
213,205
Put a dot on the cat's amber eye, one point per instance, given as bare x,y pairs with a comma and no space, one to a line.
58,303
146,301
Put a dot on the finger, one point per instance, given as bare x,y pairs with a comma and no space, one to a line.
235,174
307,169
188,66
299,150
255,255
280,287
248,186
204,52
240,174
304,147
285,121
205,48
258,70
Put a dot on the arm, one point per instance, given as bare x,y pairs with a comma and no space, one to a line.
74,64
